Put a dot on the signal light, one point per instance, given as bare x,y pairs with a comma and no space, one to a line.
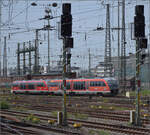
66,25
68,56
143,43
139,9
66,8
33,4
139,22
143,56
69,42
54,4
139,26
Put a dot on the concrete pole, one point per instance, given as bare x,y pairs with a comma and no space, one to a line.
18,59
37,52
89,62
48,46
0,32
24,59
123,49
30,57
5,58
118,39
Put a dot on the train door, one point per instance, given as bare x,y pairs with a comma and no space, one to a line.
23,87
68,86
40,86
53,87
31,87
15,87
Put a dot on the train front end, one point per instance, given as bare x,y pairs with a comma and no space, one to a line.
114,86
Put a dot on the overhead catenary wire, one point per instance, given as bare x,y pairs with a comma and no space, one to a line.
82,31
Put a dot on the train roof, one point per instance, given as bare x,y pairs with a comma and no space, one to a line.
28,80
90,78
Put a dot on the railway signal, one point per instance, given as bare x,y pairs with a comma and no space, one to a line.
141,44
66,33
66,20
139,21
66,25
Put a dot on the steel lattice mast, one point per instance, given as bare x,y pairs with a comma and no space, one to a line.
107,59
123,48
5,58
0,32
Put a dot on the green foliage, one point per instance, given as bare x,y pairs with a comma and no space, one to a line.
102,132
145,92
33,119
99,132
142,93
81,116
20,108
105,100
54,113
4,105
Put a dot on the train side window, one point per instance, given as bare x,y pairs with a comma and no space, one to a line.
97,83
79,85
22,86
68,86
87,85
91,83
31,86
75,86
94,83
40,84
15,85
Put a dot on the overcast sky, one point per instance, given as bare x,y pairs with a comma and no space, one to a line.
18,17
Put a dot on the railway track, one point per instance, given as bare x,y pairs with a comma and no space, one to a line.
96,113
73,103
10,128
26,128
125,102
96,125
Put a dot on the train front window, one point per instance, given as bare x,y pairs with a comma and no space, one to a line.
112,83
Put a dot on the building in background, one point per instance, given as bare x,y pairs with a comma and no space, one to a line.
98,71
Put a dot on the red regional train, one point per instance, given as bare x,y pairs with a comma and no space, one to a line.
96,86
